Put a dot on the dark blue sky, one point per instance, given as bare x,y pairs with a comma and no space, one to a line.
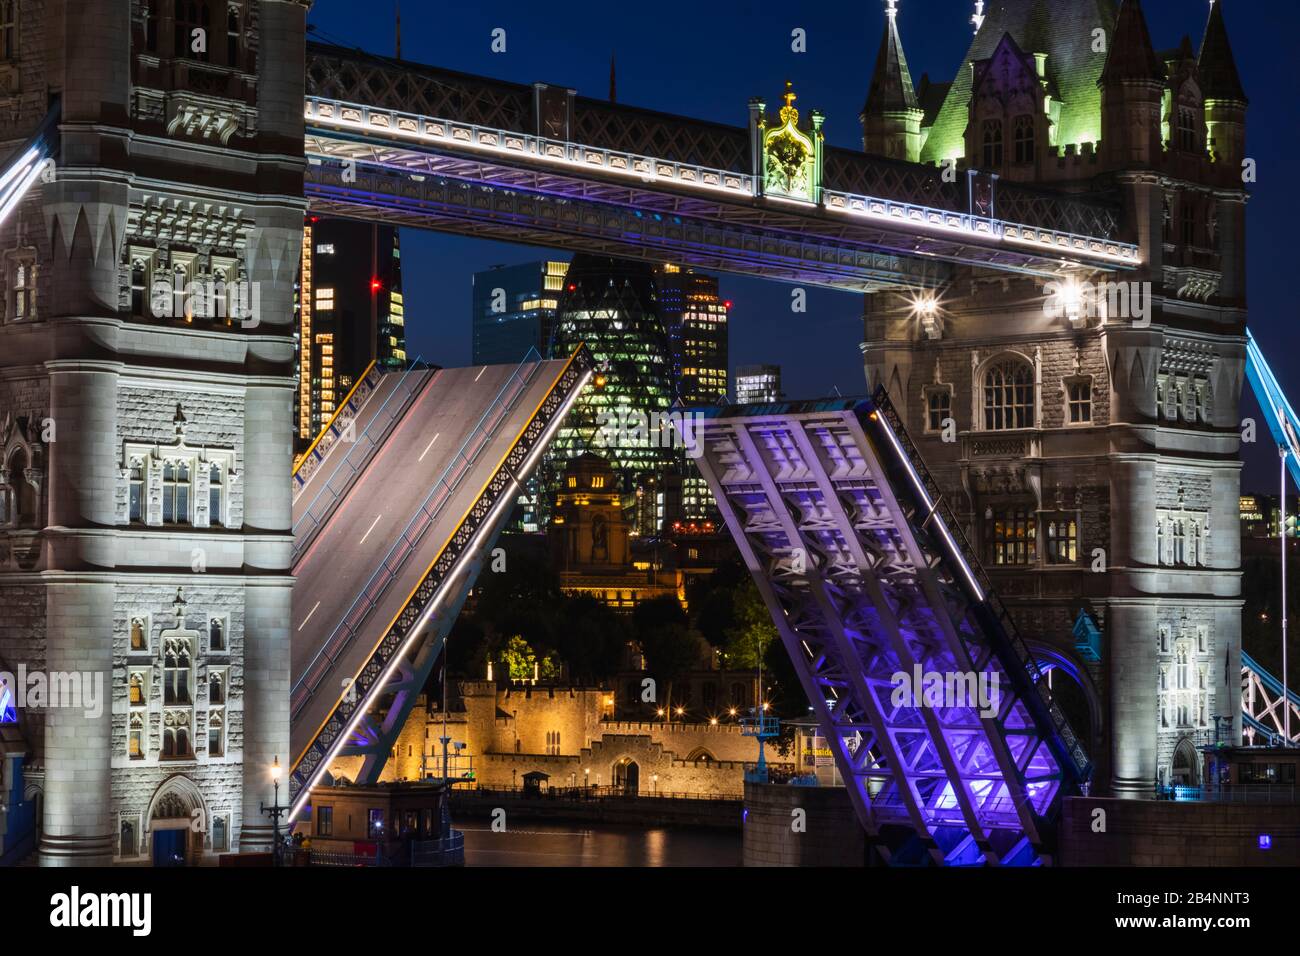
708,59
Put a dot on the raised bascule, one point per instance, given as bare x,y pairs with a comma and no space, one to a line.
157,539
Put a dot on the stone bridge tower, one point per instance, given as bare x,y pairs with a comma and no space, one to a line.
1092,452
146,376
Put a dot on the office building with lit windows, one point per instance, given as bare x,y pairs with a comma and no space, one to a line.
350,313
695,318
756,384
612,306
514,310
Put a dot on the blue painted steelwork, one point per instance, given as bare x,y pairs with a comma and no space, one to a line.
1087,637
1281,417
1261,701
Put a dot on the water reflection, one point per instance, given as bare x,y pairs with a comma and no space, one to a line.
576,844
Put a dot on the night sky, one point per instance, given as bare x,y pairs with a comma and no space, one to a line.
708,59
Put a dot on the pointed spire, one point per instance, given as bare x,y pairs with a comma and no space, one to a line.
891,84
1219,77
613,81
399,29
1131,55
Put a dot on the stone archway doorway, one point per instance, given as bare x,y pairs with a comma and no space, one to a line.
1185,771
177,821
627,776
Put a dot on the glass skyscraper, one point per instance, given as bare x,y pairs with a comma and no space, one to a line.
350,313
612,306
514,310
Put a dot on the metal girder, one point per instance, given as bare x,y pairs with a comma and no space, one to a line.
862,589
510,215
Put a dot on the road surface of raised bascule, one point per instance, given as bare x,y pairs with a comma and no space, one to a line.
393,550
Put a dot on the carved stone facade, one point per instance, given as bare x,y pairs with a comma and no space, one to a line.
147,416
1094,462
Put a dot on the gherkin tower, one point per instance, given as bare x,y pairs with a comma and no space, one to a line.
610,304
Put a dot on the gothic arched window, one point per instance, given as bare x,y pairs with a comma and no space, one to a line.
1024,139
176,492
992,144
24,495
1009,395
232,37
214,494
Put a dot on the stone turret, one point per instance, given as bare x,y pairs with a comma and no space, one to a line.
891,116
1225,100
1132,90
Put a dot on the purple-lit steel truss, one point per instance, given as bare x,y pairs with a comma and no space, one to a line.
866,579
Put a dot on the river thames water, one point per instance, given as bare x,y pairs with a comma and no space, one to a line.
580,844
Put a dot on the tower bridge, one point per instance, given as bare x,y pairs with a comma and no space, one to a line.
154,541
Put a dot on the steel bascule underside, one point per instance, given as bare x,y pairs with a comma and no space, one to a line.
397,516
866,578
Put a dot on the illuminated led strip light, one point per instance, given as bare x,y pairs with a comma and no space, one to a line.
18,179
930,507
1046,241
426,129
507,497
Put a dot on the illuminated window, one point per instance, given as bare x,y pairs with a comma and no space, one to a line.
1062,537
137,695
1010,538
22,287
136,745
139,634
598,481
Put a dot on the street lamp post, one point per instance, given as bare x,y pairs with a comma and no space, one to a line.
275,811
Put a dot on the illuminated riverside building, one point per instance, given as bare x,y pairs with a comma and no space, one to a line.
350,313
612,306
757,384
514,310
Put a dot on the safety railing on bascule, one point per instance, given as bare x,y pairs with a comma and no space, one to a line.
1079,766
360,450
425,515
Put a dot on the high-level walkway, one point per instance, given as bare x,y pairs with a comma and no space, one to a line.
396,517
